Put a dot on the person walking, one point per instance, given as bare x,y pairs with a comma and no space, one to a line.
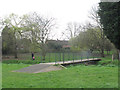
33,58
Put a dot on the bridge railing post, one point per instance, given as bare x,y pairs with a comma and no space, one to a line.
60,56
55,57
93,57
88,55
68,56
81,57
63,57
73,57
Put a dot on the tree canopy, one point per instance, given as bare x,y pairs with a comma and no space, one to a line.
109,18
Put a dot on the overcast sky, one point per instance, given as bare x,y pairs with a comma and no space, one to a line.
64,11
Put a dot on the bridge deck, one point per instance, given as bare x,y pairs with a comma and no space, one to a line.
75,61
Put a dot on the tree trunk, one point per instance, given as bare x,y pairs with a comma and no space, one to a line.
43,52
15,45
43,57
118,54
15,53
107,52
102,53
103,40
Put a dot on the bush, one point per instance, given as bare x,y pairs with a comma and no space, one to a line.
108,63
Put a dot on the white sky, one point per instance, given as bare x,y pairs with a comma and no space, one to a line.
64,11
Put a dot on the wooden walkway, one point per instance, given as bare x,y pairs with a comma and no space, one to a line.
76,61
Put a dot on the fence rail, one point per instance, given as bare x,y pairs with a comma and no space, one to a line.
55,56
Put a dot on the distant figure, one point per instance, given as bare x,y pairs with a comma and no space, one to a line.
33,56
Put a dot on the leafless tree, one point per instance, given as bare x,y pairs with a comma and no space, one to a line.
95,17
72,30
39,29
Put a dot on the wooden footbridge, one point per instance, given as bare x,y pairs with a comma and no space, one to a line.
86,61
45,67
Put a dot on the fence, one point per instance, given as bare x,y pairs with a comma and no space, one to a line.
55,56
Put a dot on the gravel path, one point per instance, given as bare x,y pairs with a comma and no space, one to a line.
37,68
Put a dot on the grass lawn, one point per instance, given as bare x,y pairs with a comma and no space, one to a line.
80,76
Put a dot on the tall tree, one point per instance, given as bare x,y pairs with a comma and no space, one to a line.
14,23
7,41
96,18
90,39
109,13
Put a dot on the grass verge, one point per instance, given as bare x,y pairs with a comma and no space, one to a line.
79,76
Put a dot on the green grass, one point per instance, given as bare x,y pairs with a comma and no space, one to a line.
103,75
79,76
21,61
111,52
108,61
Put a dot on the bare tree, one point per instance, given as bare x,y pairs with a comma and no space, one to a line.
95,17
72,30
39,29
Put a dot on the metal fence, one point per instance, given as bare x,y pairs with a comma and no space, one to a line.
55,56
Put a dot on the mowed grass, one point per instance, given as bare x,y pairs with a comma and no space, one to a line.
79,76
